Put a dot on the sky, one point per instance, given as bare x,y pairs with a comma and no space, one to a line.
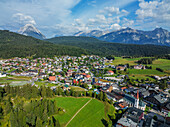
66,17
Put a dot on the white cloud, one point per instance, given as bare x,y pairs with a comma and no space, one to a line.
111,10
127,23
44,12
23,19
92,3
107,19
154,11
115,27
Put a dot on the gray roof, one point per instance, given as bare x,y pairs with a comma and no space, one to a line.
160,98
127,122
129,98
150,122
141,104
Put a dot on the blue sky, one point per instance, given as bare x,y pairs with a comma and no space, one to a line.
66,17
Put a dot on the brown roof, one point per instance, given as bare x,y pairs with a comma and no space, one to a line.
52,78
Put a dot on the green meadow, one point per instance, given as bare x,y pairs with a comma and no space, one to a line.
71,105
90,116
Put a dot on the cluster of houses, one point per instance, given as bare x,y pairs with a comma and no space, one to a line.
68,70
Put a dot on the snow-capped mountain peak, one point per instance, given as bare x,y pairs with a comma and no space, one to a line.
31,30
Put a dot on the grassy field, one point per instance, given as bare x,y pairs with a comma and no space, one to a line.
77,88
119,60
13,79
145,72
71,106
163,64
41,83
159,63
90,116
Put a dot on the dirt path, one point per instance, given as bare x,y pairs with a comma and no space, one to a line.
77,112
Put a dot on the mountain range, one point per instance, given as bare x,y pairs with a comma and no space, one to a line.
31,30
158,36
16,45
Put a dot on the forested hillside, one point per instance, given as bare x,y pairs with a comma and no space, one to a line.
102,48
16,45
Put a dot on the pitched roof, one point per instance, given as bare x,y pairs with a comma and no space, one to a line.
110,71
88,76
123,88
130,98
52,78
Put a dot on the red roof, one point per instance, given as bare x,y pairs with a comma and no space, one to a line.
122,106
84,74
123,88
88,76
110,71
52,78
98,84
74,81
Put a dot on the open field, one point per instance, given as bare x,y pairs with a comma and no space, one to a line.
90,116
159,63
14,80
41,83
163,64
71,105
145,72
77,88
119,60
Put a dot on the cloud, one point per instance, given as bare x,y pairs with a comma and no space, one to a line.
157,12
115,27
110,10
127,23
108,18
92,3
44,12
23,19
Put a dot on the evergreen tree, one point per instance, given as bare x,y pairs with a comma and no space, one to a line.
43,91
38,122
104,97
101,96
94,95
67,93
57,124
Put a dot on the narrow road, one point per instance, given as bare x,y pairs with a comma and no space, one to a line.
77,112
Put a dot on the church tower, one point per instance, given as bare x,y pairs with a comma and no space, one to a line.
137,100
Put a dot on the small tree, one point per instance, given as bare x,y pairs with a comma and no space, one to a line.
155,117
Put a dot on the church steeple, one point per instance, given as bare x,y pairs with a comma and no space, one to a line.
137,100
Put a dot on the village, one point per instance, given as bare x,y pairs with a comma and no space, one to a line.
146,103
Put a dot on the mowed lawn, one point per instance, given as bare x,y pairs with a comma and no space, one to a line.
163,64
90,116
119,60
71,105
145,72
159,63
